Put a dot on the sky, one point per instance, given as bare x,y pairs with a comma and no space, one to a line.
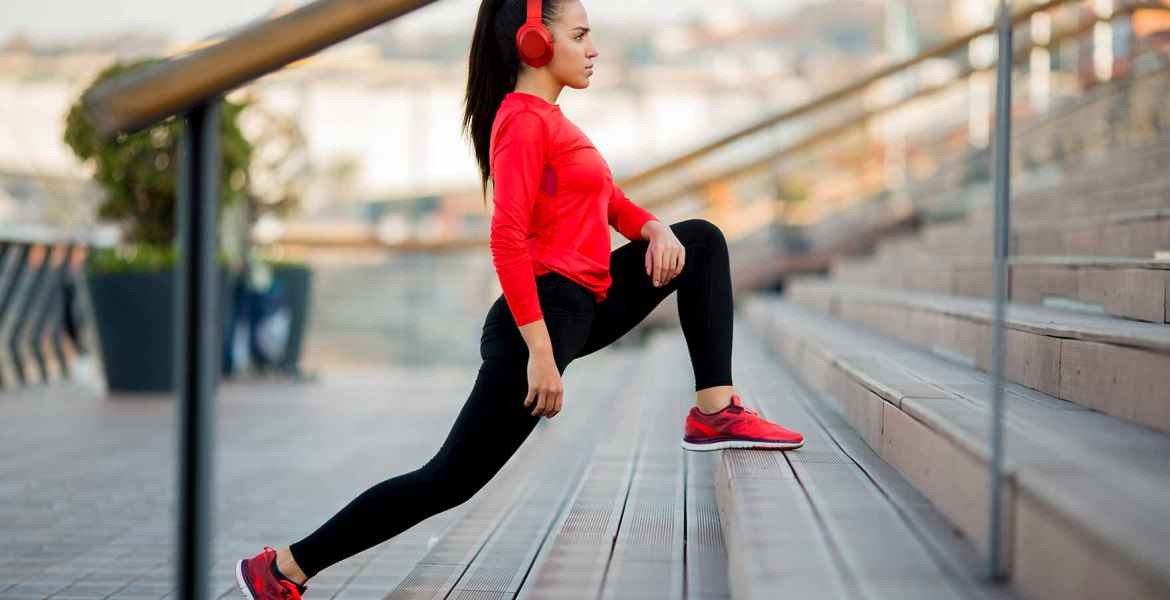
62,20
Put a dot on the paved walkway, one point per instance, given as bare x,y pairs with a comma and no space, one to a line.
87,496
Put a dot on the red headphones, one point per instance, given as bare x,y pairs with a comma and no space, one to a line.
533,40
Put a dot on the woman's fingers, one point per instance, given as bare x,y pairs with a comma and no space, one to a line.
660,266
664,262
548,402
673,265
557,403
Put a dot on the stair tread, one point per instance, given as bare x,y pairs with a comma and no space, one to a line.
533,520
820,497
628,506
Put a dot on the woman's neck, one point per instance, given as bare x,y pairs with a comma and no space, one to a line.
539,83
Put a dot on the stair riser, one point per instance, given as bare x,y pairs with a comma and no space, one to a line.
1125,382
1140,294
1141,239
1132,293
1055,560
1134,239
1070,204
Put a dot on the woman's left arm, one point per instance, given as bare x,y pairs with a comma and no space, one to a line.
626,217
665,255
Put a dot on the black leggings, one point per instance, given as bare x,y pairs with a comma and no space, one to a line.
494,422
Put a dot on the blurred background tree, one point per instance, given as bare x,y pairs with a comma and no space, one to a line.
137,171
280,170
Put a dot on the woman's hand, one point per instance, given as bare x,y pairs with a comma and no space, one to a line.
665,256
544,385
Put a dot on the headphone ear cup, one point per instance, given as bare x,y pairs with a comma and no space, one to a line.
535,45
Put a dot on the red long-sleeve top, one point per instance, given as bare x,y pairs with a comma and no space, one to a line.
553,198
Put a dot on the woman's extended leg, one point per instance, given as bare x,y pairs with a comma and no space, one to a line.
492,424
490,427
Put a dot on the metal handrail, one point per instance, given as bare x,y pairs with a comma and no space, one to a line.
833,131
852,89
139,99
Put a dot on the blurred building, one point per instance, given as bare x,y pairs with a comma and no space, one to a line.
382,113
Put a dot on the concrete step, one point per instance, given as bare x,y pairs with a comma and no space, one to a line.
1117,366
1141,192
1085,493
623,531
1132,288
830,520
1130,181
1139,233
1096,187
490,550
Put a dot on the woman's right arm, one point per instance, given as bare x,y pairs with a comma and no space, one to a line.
545,389
518,157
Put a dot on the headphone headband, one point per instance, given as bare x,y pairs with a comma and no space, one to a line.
534,9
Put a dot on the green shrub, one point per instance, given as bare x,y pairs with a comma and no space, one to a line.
137,171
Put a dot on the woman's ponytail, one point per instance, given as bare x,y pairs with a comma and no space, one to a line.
492,69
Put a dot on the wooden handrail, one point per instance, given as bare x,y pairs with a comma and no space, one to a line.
835,130
139,99
848,90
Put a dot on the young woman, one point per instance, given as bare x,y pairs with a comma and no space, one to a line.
565,295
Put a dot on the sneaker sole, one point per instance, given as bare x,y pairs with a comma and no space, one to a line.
240,583
726,444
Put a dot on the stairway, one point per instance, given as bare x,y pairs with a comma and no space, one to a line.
900,344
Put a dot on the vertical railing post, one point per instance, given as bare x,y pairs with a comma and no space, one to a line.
195,356
1003,122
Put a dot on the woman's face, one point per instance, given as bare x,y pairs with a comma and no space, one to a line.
573,50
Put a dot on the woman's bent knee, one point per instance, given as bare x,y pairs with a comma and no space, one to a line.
702,231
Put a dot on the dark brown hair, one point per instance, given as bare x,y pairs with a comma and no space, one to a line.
492,69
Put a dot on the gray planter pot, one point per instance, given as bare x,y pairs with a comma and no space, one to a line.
135,318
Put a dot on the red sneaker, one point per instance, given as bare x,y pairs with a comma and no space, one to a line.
736,427
258,580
